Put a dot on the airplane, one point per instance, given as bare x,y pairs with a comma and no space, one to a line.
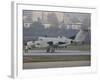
52,43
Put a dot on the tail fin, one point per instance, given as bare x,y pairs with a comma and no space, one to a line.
80,37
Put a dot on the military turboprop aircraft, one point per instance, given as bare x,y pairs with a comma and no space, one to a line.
52,43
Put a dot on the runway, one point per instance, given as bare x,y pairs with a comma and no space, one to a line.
38,65
57,52
34,59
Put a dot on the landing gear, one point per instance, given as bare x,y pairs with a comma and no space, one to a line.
50,49
26,49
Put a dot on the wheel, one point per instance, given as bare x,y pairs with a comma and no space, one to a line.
48,50
26,50
52,50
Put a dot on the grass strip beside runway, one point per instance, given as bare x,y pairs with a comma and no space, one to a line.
55,58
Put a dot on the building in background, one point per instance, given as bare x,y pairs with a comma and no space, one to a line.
52,19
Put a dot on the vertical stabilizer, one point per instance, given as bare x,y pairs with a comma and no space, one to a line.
80,37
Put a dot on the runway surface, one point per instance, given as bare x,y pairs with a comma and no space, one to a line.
38,65
57,52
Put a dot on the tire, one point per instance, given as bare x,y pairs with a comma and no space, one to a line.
52,50
48,50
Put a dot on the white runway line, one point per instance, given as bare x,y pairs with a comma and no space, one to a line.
57,52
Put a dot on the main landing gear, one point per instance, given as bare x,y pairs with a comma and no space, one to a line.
50,49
